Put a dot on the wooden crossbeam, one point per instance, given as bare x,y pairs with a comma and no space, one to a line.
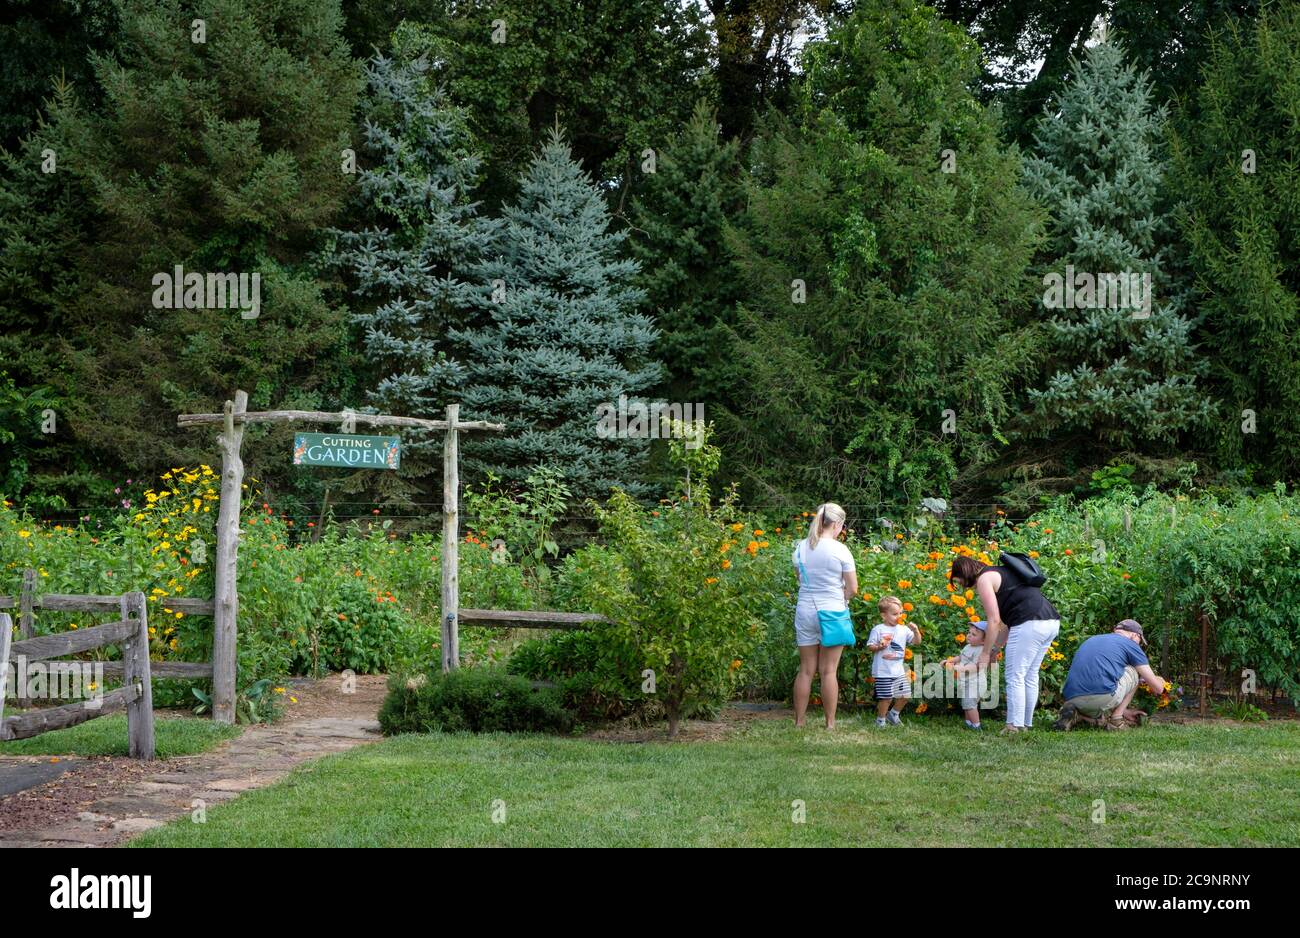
320,416
529,619
80,602
69,643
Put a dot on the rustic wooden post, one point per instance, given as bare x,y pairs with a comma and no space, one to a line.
450,547
1128,520
226,598
1205,671
26,601
135,660
6,633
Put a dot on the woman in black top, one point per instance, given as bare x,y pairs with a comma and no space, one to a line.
1023,619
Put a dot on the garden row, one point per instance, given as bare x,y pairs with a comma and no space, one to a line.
700,595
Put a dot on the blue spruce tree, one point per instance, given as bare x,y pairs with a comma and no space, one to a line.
422,235
558,334
1122,375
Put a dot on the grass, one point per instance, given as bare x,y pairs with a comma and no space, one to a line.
928,783
106,736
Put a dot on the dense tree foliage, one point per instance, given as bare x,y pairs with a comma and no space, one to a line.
827,220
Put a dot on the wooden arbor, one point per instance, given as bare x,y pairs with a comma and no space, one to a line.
226,598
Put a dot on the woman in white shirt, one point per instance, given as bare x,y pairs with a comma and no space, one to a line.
828,579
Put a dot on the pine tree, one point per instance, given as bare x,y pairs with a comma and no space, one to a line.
1124,374
221,156
678,237
558,334
1236,158
875,348
422,236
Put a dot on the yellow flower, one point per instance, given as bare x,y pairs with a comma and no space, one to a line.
24,533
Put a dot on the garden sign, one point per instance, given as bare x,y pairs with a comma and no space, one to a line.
346,449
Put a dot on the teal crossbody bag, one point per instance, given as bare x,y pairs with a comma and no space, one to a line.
836,624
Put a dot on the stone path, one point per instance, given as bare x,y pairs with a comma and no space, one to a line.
103,802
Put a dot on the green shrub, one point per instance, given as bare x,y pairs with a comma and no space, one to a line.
477,700
683,614
592,669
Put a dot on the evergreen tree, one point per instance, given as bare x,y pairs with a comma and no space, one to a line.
1122,374
875,347
422,235
222,156
557,335
678,230
1241,222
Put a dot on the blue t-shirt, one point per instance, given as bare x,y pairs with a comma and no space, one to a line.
1099,663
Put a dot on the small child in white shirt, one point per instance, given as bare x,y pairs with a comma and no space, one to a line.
965,667
889,641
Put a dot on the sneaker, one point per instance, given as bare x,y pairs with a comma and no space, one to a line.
1009,729
880,721
973,726
1068,717
892,716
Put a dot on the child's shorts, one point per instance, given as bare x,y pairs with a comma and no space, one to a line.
970,703
888,688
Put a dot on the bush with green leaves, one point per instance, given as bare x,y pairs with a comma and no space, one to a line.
683,614
476,700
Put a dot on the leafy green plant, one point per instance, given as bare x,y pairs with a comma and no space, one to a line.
1242,710
683,614
521,517
477,700
254,704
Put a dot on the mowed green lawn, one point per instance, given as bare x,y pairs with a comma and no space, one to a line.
929,783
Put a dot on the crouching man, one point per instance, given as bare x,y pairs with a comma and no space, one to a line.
1104,677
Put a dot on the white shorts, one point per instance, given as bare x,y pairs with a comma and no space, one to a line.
807,627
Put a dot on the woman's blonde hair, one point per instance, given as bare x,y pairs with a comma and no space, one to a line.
826,515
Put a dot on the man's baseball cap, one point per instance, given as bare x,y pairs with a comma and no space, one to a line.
1132,625
981,625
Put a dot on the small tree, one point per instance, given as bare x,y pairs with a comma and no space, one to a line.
689,621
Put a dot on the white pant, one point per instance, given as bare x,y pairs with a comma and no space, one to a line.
1027,644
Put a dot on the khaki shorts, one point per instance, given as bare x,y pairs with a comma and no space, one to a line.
1099,706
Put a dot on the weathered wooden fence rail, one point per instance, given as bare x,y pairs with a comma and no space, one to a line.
524,619
27,601
135,695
